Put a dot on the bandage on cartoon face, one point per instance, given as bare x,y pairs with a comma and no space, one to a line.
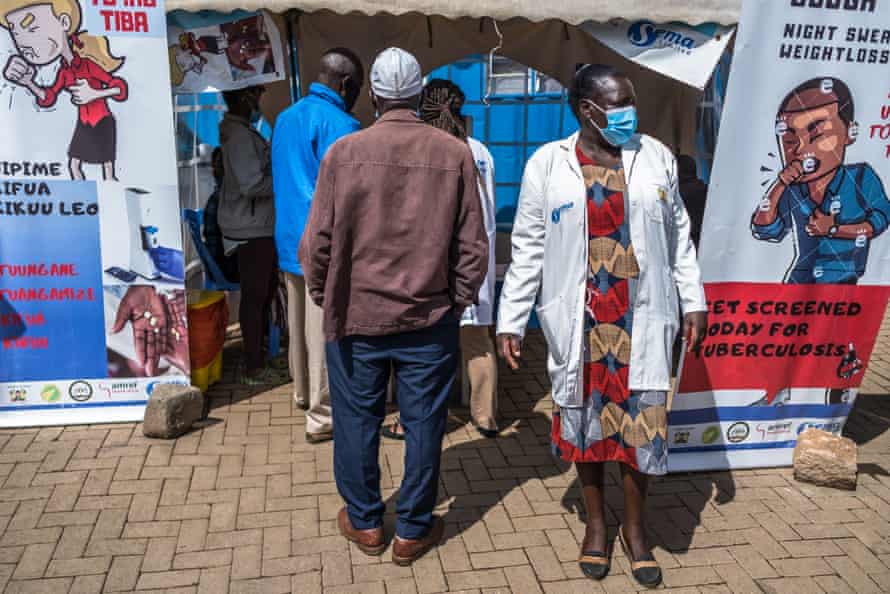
814,126
48,32
44,31
39,31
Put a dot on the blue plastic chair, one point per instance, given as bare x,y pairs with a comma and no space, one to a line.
214,279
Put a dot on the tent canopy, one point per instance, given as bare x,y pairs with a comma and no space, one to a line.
572,11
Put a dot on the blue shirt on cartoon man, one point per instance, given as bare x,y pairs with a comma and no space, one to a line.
856,195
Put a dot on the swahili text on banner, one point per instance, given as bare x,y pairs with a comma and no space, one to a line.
795,248
92,306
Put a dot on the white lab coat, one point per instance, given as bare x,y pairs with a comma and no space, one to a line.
550,254
483,314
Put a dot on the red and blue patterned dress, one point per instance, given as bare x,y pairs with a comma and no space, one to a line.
614,423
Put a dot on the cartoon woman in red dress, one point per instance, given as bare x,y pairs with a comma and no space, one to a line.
48,30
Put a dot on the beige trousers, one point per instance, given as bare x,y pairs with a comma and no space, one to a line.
480,375
306,355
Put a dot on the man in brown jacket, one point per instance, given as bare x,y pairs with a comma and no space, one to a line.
394,250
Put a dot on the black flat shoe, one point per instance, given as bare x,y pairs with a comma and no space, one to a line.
392,431
487,433
594,564
646,569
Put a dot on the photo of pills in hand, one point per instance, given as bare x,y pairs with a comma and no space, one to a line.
146,331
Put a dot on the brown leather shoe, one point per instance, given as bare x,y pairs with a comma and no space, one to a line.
370,542
405,552
322,437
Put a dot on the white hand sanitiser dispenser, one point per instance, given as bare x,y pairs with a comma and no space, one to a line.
143,232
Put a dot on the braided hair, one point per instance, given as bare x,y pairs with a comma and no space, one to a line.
440,106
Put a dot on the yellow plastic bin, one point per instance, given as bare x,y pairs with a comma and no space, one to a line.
208,316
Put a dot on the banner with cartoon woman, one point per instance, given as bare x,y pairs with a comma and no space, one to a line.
795,247
92,306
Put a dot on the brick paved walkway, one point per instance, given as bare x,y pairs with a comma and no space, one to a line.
245,505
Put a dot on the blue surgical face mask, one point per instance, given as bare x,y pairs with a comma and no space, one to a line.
621,124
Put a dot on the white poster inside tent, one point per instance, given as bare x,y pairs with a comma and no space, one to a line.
674,50
236,54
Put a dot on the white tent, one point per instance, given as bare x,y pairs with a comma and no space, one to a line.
543,35
570,11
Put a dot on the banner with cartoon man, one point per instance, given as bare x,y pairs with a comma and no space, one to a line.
795,249
92,303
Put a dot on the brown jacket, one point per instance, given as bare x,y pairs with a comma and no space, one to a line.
395,238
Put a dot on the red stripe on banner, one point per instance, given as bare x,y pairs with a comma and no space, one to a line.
774,336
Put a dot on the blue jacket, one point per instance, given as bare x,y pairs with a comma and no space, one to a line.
303,133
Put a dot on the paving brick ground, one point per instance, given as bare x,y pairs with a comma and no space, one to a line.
243,504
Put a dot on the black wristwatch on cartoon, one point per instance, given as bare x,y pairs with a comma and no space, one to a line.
832,231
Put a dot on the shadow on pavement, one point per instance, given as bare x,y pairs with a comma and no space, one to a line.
870,418
514,483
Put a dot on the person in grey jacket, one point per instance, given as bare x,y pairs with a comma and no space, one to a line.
247,217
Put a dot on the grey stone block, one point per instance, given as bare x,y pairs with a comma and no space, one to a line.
171,410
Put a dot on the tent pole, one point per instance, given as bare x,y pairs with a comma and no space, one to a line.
292,46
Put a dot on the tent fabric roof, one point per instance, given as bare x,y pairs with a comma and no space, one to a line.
572,11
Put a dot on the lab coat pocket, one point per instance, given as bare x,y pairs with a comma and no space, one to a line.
656,203
556,325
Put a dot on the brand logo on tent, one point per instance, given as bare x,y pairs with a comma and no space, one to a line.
647,34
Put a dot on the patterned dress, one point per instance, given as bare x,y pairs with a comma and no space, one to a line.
614,423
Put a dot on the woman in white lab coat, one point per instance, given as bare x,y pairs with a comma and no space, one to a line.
441,105
601,232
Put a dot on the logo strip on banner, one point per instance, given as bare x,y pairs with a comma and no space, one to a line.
746,435
69,406
795,237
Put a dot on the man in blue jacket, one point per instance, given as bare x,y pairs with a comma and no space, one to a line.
303,134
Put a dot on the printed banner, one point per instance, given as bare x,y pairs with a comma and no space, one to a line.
688,54
795,250
235,54
92,306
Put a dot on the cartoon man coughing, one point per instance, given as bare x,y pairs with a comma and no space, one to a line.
833,210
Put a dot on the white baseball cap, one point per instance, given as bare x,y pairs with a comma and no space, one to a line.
396,75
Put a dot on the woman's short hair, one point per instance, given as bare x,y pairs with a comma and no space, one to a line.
588,80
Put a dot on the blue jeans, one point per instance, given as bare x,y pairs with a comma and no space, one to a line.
425,364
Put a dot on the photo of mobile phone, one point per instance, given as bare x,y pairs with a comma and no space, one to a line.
122,275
